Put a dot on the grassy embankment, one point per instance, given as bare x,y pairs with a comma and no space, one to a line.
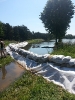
35,41
8,59
32,87
66,49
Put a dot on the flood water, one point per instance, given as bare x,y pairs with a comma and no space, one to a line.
37,48
10,73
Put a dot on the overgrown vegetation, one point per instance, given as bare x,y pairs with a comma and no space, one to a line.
67,49
35,41
32,87
20,33
56,17
7,42
5,61
8,59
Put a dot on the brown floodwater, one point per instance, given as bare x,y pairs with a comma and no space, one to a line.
10,73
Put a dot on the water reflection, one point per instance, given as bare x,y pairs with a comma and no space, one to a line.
4,72
10,73
27,47
37,48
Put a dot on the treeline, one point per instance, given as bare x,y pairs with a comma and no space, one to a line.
20,33
69,36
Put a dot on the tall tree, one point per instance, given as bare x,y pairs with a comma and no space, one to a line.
8,31
1,30
56,17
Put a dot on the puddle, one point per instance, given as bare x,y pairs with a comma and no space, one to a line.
10,73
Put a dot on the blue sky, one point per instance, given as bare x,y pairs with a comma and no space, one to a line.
26,12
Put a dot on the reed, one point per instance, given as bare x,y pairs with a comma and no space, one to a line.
66,49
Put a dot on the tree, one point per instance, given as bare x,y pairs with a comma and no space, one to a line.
1,30
56,17
8,31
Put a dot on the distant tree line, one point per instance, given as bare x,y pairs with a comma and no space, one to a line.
20,33
69,36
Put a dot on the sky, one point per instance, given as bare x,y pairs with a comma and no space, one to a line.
26,12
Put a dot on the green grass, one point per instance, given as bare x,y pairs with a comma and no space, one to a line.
29,41
7,42
8,59
32,87
35,41
5,61
66,50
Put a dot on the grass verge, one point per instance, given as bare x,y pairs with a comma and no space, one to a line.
35,41
5,61
8,42
8,59
65,49
32,87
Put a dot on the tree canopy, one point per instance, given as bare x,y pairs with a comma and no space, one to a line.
56,17
1,30
20,33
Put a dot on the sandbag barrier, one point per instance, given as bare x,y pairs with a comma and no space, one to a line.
60,60
46,65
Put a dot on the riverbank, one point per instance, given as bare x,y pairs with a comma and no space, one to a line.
6,60
35,41
32,87
9,73
66,49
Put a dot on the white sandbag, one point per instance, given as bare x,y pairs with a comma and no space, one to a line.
66,59
72,62
57,58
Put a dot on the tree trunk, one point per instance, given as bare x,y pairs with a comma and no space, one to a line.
56,42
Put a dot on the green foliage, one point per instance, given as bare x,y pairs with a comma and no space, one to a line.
1,30
66,49
35,41
5,61
56,17
32,87
20,33
7,42
69,36
47,36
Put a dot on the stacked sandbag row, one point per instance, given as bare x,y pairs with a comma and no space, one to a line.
30,55
57,59
62,60
18,45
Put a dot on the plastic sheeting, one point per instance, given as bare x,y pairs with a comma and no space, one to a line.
49,66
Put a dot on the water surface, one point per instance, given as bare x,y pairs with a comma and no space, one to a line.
37,48
10,73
